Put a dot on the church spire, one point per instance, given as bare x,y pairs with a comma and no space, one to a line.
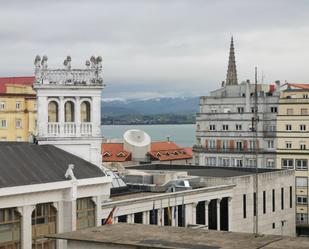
231,76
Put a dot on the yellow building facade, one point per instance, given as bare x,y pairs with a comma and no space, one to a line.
293,142
17,113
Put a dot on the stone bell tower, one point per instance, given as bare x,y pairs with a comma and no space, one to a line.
69,107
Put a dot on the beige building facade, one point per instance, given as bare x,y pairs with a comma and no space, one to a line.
293,142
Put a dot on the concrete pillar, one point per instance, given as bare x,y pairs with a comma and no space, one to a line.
218,214
26,226
173,216
206,214
193,219
188,214
161,217
61,115
96,115
147,217
77,115
115,220
98,210
130,218
230,213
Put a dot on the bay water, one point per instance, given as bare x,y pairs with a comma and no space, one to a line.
182,134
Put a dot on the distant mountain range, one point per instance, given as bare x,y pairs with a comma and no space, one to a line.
154,106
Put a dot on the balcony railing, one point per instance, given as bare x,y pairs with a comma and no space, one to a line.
199,148
69,129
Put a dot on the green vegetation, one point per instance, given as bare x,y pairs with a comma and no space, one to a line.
137,119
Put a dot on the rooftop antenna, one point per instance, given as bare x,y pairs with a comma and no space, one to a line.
255,119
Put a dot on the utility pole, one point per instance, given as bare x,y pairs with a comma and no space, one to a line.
256,119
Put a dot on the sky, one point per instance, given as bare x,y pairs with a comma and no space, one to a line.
159,48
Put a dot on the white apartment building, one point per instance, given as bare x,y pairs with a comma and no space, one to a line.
224,125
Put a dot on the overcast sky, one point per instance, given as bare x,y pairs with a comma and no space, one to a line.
160,47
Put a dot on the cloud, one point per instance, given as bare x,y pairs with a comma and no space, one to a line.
176,47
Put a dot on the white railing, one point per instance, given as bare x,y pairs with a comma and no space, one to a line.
53,128
69,129
86,129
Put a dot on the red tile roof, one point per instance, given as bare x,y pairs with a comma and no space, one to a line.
114,152
27,81
299,85
162,151
167,151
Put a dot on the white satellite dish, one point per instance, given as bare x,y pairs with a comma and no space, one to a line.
138,143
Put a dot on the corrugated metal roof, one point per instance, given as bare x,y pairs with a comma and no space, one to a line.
25,164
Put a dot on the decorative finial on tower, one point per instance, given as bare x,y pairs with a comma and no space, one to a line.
231,77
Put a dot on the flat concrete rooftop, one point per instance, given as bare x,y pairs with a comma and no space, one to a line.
150,236
196,170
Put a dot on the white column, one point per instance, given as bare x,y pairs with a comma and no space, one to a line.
26,226
96,115
61,115
230,213
115,220
147,217
130,218
188,214
206,214
193,222
60,244
42,118
173,215
77,115
98,209
218,214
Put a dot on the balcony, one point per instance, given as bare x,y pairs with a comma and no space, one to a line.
199,148
69,129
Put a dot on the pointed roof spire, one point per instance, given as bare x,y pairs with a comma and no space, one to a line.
231,76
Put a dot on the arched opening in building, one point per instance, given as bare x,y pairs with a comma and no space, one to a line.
85,112
44,218
85,213
10,228
52,111
69,111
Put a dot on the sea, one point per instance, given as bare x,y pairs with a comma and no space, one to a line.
182,134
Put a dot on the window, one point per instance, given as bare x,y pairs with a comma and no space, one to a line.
301,218
270,144
240,109
69,111
238,127
225,127
53,111
2,105
270,163
239,145
291,196
273,109
238,163
301,164
274,225
273,200
212,144
302,145
225,144
3,123
18,105
212,127
10,228
226,110
251,163
287,164
252,109
288,127
303,111
301,182
225,162
19,139
244,206
198,141
18,123
254,204
213,110
252,144
302,200
305,96
264,202
85,111
85,213
289,111
282,198
288,145
211,161
302,127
